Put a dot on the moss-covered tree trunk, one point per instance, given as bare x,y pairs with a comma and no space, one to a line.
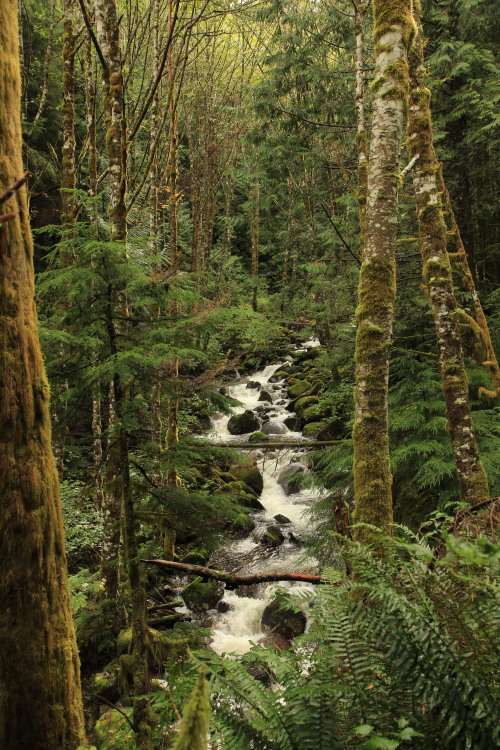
40,698
108,35
439,283
68,175
393,33
484,352
254,237
361,139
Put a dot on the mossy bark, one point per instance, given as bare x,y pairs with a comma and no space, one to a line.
439,283
361,139
68,174
40,697
393,34
484,352
108,34
142,715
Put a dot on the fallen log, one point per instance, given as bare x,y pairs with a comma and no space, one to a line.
232,580
280,444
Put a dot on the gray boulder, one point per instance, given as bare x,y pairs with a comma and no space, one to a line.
274,428
283,619
288,478
266,396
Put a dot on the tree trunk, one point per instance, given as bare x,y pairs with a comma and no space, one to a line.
40,697
254,237
439,284
68,175
483,350
393,33
361,139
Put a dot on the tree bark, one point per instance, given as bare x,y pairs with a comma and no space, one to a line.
483,350
393,34
40,696
439,283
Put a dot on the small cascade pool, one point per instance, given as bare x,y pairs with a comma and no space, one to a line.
234,631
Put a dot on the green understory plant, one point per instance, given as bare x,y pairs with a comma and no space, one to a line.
404,653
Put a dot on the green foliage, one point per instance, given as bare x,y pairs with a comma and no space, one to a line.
82,526
402,652
193,733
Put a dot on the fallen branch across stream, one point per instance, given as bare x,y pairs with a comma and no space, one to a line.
280,444
232,580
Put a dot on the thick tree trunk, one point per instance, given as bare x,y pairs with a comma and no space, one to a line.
393,33
439,284
40,698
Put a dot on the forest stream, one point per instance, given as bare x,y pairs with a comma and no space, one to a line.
237,628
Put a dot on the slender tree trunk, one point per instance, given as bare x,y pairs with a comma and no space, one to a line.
114,104
361,139
483,350
68,175
40,697
439,283
254,237
393,34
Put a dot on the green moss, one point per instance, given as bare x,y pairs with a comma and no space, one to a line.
114,732
299,388
303,402
200,595
258,437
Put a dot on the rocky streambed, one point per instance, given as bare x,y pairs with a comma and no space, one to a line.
270,533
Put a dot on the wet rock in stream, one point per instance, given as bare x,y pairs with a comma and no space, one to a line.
241,424
289,478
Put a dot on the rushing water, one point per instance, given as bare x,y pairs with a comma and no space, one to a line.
236,630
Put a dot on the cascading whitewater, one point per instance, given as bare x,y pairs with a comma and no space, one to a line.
236,630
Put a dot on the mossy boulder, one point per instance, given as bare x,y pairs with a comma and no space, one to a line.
241,424
273,537
313,429
242,525
303,403
250,475
250,502
258,437
313,413
281,519
282,617
299,388
197,557
200,595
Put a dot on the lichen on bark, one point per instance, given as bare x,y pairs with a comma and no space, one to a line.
439,283
393,33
